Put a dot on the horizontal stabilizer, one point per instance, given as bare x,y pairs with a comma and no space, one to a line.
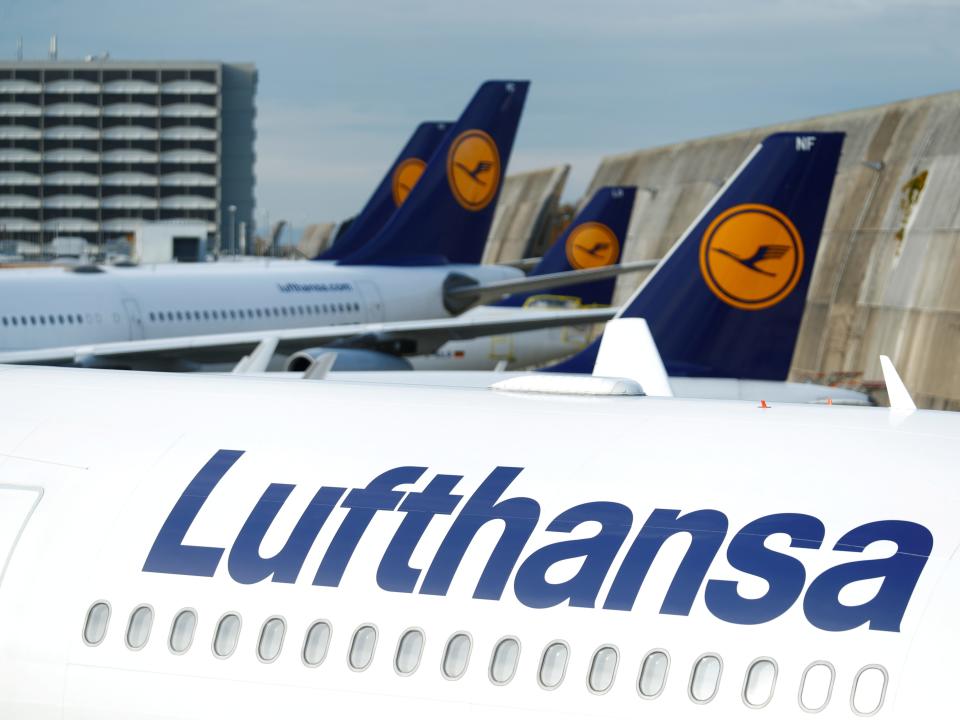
465,296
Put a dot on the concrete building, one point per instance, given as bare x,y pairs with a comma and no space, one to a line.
528,202
92,148
887,278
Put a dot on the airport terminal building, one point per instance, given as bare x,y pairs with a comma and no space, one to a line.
92,148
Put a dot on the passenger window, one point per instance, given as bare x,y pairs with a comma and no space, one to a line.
816,686
316,643
503,664
603,669
759,683
138,629
869,690
271,639
705,679
409,651
456,656
95,627
653,674
362,646
226,636
553,665
181,632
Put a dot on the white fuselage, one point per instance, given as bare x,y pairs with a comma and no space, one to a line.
139,511
46,308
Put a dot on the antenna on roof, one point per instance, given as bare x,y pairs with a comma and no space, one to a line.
19,47
53,47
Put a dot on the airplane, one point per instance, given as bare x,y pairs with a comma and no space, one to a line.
421,266
164,555
595,238
712,344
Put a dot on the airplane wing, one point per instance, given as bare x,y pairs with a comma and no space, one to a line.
408,337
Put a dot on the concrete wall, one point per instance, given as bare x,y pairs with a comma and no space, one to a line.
887,278
527,202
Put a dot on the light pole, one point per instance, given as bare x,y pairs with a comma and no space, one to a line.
232,210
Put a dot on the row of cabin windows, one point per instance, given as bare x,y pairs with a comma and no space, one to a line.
58,319
160,316
182,315
759,684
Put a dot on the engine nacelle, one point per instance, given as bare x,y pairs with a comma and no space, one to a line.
348,359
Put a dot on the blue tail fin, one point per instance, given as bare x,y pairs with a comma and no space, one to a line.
595,238
447,216
728,298
392,190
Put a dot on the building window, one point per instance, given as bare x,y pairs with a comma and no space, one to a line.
603,669
95,627
271,639
760,682
869,690
705,678
503,664
315,644
409,651
226,635
362,647
816,686
553,665
139,626
456,656
653,674
181,632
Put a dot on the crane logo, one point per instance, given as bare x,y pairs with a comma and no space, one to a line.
473,169
405,177
751,256
591,245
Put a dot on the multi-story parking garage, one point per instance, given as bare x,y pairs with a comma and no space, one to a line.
91,149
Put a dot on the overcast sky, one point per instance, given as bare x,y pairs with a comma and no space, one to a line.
343,83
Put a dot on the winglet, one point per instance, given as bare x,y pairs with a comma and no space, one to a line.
320,367
259,359
900,399
628,350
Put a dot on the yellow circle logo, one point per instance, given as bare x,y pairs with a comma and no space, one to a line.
591,245
473,169
405,177
751,256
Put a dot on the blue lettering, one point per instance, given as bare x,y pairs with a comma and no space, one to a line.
707,529
900,573
519,516
169,554
598,552
363,505
395,573
245,563
784,575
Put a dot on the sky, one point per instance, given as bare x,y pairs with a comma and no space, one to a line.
342,84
